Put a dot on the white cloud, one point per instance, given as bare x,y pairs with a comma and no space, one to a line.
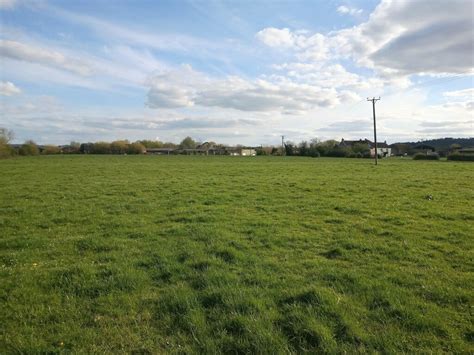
464,94
344,10
314,47
274,37
460,98
7,88
400,38
29,53
414,36
186,87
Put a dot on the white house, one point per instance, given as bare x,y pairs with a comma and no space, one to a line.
383,149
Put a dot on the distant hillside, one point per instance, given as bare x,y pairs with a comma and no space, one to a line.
443,143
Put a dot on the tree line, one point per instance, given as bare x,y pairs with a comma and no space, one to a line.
312,148
328,148
30,148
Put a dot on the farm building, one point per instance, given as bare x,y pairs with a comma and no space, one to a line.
204,151
160,151
245,152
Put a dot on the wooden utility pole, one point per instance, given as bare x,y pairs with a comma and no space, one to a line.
375,126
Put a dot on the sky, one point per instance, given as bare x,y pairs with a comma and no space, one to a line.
236,72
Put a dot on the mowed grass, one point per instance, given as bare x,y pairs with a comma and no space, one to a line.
235,255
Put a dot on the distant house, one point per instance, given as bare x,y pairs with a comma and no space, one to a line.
383,149
204,149
245,152
248,152
350,144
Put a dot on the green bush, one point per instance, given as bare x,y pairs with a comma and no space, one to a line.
100,148
5,137
29,148
461,157
6,151
421,156
51,149
136,148
338,152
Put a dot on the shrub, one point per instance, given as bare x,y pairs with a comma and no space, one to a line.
6,151
421,156
29,148
119,147
100,148
361,148
136,148
51,149
338,152
5,137
461,157
187,143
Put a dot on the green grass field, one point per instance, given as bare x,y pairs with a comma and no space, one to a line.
235,255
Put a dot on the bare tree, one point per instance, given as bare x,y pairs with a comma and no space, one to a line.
6,135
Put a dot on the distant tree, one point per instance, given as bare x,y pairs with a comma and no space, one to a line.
86,148
361,148
100,148
5,137
290,149
264,150
325,147
29,148
303,148
136,148
454,147
51,149
151,144
313,148
119,147
169,145
187,143
74,148
339,152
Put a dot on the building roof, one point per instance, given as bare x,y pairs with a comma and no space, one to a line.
346,143
349,143
152,150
